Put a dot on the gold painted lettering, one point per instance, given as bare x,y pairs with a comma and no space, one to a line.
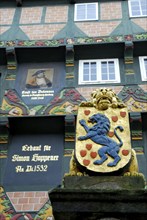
44,158
47,148
19,169
36,168
16,157
29,168
31,148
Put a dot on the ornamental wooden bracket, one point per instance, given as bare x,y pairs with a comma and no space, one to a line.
72,1
128,53
19,3
11,58
69,123
69,62
135,117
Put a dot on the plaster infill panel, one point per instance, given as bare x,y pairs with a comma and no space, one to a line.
6,16
110,11
142,22
31,15
40,32
28,201
93,29
53,14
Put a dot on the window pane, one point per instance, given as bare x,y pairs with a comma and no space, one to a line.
86,65
111,66
145,65
144,11
93,71
104,67
93,78
104,76
81,13
86,78
104,70
135,8
108,70
111,70
112,76
91,11
138,7
86,72
143,7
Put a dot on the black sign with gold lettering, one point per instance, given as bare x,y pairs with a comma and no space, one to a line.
34,160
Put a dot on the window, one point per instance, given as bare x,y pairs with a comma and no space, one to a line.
99,71
138,8
143,68
85,12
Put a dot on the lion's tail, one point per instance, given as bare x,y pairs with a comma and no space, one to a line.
121,129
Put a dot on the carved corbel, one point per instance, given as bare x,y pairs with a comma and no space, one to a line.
136,131
69,123
69,55
135,117
128,53
19,3
72,1
128,58
136,124
69,62
11,58
69,129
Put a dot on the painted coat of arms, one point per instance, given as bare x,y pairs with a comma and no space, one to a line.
103,141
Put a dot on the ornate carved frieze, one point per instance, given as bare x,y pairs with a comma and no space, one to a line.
135,98
74,41
13,105
64,103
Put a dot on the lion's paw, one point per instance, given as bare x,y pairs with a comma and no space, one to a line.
80,174
66,174
74,173
71,173
134,173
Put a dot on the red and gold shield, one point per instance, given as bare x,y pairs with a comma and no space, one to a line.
103,142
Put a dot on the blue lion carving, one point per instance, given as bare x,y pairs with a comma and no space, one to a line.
98,134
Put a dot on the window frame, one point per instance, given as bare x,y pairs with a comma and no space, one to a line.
131,11
86,19
142,68
98,70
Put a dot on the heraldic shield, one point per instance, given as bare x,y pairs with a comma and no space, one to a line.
103,141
